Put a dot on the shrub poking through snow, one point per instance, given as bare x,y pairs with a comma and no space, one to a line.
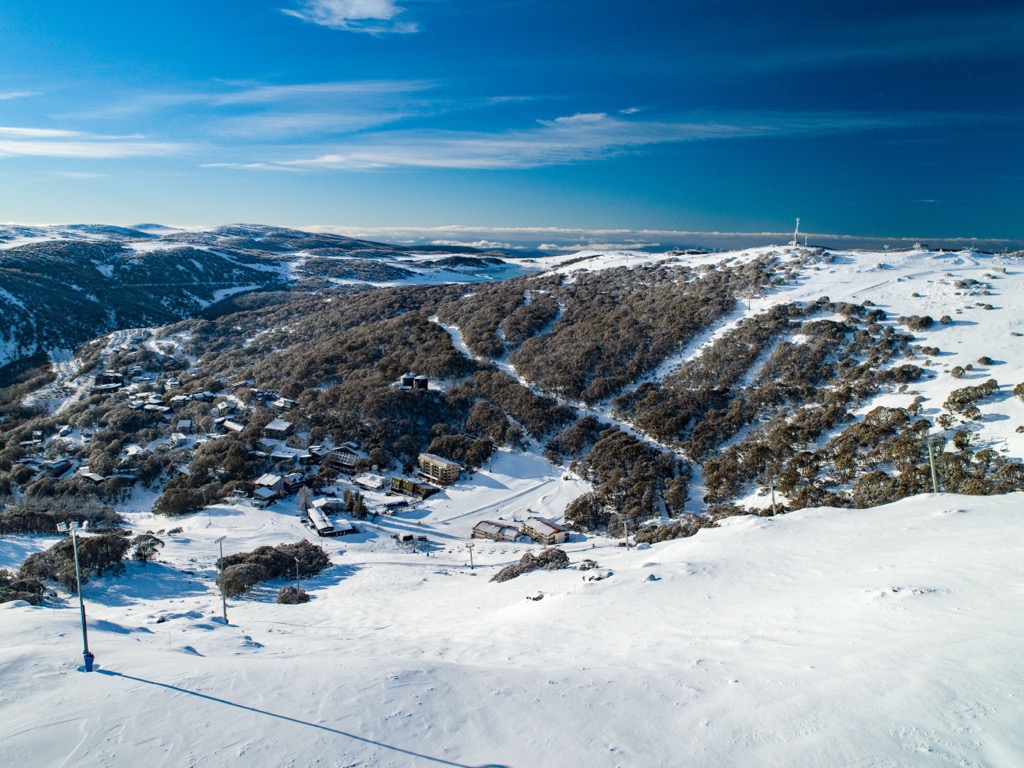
34,515
242,571
145,547
917,322
959,399
238,579
292,595
551,559
684,527
15,587
97,555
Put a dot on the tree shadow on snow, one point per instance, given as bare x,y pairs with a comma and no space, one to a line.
154,581
480,480
266,591
296,721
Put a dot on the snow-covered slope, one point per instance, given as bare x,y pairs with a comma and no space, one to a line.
879,637
883,637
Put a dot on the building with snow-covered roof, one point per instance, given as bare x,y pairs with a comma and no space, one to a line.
293,481
342,460
545,531
109,377
278,429
284,459
495,531
330,505
370,481
439,469
263,497
272,482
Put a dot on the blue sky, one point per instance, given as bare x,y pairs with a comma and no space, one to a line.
876,119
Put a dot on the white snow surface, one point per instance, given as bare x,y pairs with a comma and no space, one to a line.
883,637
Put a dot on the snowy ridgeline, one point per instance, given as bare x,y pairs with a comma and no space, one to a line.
825,637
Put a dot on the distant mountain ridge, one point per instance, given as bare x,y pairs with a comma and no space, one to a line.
63,285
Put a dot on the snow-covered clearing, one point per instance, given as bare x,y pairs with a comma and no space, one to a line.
64,364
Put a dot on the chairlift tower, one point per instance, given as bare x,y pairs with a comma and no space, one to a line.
796,233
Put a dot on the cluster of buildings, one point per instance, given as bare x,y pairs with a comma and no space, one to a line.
412,381
538,529
288,460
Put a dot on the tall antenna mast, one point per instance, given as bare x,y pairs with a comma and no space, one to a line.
796,232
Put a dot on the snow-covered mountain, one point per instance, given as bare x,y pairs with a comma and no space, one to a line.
661,396
63,285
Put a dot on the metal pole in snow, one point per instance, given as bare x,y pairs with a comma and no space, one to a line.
297,588
87,656
223,596
931,460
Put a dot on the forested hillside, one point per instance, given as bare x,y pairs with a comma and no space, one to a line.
673,385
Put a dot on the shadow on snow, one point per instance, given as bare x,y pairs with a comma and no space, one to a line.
296,721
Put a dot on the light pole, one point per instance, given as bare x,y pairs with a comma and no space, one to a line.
297,588
470,548
931,461
87,657
223,597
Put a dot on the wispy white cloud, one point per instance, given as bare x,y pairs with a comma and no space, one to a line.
274,94
260,112
8,95
79,175
577,138
483,244
371,16
47,142
12,132
283,125
255,95
251,166
304,109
